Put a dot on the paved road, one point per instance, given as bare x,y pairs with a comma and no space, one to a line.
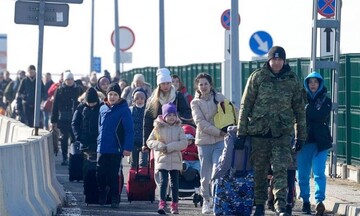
76,206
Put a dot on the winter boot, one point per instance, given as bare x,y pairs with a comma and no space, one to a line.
162,206
174,208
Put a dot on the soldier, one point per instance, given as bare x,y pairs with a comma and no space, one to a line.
271,107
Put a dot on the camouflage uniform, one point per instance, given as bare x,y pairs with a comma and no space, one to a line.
272,107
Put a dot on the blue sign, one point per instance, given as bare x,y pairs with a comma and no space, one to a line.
96,64
260,42
326,8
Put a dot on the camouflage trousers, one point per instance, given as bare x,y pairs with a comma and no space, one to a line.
275,151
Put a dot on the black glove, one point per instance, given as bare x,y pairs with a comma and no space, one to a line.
298,145
240,142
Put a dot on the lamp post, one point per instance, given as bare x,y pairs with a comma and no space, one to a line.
161,35
92,37
117,42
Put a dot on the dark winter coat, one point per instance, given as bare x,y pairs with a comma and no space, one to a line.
116,129
318,116
26,93
138,119
85,125
65,103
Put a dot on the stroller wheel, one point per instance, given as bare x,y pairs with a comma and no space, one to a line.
197,198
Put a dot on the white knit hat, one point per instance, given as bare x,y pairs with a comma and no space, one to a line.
163,76
68,75
139,77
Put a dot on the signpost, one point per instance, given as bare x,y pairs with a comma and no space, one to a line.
3,51
260,42
127,38
225,19
28,13
326,8
41,14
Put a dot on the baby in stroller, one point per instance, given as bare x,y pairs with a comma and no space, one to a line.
189,179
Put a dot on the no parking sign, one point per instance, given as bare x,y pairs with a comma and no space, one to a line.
326,8
225,19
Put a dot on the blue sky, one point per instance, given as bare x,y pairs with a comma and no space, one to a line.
193,32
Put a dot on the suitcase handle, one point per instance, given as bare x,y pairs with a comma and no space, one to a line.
138,162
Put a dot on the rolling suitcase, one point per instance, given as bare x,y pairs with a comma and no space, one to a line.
141,184
75,162
234,192
91,190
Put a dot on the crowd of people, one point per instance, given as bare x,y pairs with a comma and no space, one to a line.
113,120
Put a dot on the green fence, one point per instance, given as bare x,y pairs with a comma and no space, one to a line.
348,142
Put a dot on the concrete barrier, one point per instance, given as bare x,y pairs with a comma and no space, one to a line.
28,184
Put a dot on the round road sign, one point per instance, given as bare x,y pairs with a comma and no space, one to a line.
126,37
326,8
225,19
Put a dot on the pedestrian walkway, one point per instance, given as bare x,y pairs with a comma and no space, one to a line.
343,198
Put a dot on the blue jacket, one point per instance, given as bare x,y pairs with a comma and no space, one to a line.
318,110
116,130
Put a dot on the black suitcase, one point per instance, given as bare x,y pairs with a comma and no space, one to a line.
76,159
91,190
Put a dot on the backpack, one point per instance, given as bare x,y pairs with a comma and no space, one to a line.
225,115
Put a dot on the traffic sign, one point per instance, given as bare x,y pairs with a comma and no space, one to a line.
28,13
96,64
327,41
326,8
125,57
126,37
64,1
225,19
260,42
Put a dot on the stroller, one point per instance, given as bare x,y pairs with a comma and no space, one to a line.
188,181
189,178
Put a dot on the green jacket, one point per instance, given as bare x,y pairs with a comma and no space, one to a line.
272,105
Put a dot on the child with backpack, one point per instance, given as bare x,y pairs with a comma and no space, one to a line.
167,139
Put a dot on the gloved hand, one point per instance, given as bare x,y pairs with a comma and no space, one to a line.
240,142
163,148
83,147
298,145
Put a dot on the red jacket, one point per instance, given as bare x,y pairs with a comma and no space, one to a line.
190,153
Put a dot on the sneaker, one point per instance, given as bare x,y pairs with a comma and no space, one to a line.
162,206
259,210
270,205
282,212
306,208
174,208
320,209
103,195
206,207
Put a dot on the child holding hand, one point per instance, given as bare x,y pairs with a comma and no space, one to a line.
167,139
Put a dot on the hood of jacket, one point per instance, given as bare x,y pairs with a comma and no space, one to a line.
321,84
